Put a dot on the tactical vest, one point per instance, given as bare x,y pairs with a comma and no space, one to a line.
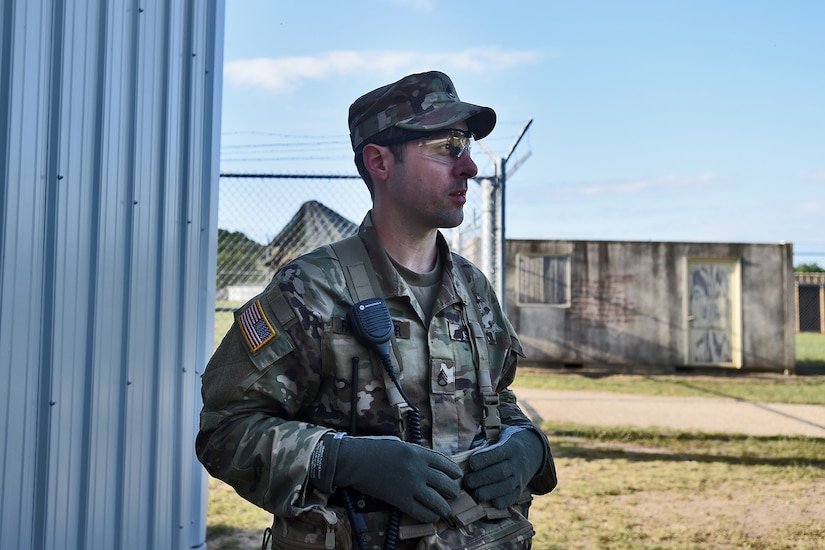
473,525
363,285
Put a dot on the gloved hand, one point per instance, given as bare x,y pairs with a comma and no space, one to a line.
416,480
500,472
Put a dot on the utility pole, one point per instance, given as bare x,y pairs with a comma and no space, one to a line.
494,241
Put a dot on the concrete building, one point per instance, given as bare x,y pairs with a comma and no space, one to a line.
656,304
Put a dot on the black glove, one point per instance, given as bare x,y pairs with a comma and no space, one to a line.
416,480
500,472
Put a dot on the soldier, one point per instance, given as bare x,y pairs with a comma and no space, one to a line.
421,445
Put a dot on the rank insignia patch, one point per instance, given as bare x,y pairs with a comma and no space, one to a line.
256,328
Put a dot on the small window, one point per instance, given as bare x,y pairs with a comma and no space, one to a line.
543,280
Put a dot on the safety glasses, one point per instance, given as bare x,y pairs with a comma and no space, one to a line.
447,144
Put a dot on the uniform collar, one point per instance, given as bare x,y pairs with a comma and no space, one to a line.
392,284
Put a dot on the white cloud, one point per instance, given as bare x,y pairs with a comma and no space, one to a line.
425,6
648,184
812,207
813,175
285,74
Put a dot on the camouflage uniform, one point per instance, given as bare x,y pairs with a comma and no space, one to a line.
282,377
419,102
269,395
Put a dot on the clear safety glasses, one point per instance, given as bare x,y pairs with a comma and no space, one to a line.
446,145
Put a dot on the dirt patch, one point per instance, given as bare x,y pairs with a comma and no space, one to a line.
629,504
618,496
757,514
235,539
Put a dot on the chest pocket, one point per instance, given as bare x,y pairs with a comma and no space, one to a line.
452,365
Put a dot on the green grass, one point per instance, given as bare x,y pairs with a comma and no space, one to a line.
810,348
224,319
751,387
232,522
791,451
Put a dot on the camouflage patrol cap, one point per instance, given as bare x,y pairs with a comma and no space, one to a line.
418,102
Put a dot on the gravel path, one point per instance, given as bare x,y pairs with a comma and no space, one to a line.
704,414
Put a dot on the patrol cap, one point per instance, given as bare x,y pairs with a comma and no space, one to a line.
418,102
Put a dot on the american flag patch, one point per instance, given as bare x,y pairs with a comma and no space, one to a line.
255,327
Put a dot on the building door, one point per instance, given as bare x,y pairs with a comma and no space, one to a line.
809,298
714,332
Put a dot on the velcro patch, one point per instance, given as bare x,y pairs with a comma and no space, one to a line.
402,328
255,327
458,333
442,373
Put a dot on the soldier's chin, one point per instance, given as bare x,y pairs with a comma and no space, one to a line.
452,221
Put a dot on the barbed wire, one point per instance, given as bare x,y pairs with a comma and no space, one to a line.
269,175
305,147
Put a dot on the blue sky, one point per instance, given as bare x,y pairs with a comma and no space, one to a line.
652,120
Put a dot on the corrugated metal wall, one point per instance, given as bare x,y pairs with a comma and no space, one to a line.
109,132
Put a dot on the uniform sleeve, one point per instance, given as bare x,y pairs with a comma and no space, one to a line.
253,389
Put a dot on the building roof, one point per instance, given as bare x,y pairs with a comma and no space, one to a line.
312,226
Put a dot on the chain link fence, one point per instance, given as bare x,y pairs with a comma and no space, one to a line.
264,221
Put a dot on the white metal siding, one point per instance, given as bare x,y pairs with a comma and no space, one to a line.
109,132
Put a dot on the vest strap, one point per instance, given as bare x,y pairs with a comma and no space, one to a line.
363,285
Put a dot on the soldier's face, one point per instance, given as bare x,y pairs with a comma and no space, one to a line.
432,189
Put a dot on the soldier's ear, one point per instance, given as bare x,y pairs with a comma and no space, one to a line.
377,161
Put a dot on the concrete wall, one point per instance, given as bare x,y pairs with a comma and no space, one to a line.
632,303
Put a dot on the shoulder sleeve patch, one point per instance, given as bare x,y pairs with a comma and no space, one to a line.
257,330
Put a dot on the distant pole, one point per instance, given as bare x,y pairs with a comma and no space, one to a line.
493,223
488,228
500,237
